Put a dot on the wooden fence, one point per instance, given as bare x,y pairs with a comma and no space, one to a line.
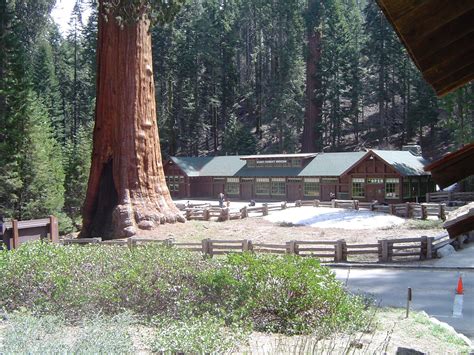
16,232
387,250
406,210
442,196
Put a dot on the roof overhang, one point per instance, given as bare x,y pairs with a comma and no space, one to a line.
453,167
439,36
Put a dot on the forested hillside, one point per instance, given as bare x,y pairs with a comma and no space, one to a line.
231,77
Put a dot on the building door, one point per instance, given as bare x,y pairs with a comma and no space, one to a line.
327,190
374,192
294,191
246,190
217,188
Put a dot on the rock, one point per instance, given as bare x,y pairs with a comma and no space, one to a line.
146,225
408,351
129,231
445,251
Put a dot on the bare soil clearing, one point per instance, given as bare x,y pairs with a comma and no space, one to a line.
259,229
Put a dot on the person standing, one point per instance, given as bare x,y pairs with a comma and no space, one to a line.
221,200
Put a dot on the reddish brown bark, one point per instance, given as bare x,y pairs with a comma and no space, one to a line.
312,137
127,188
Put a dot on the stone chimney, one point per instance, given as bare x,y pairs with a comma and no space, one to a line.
414,149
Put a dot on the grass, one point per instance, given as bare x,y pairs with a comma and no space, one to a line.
386,330
425,224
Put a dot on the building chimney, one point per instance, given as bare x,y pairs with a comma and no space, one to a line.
414,149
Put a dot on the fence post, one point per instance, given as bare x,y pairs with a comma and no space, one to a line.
188,214
424,211
265,209
243,212
206,214
298,203
339,251
429,248
383,246
283,205
207,247
333,203
423,247
16,235
316,203
356,204
407,210
428,195
392,209
247,245
131,242
442,212
53,229
291,247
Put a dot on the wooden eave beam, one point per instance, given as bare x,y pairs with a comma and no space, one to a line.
453,167
439,37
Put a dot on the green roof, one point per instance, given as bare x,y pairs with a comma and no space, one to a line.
210,166
404,162
331,164
324,164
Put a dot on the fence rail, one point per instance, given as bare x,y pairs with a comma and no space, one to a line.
406,210
15,233
443,196
386,250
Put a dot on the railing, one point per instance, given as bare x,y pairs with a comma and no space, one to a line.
16,232
406,210
443,196
386,250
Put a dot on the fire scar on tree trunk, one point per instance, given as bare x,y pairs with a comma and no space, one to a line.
127,188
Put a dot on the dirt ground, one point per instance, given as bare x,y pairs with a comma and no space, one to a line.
258,229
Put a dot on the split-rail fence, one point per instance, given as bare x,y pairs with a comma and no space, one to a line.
386,250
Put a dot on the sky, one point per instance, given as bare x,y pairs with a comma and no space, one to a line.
62,13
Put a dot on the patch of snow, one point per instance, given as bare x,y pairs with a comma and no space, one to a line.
325,217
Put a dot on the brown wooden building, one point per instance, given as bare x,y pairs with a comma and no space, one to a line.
382,175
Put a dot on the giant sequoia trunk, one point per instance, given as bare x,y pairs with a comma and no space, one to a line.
127,188
312,135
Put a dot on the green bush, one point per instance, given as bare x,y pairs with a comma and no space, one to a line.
273,293
287,294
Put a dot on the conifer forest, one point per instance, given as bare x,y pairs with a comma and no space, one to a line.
231,77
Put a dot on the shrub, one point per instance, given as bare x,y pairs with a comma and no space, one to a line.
273,293
288,294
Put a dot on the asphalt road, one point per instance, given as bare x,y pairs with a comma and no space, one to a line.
432,291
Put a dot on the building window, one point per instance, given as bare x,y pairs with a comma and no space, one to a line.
329,180
219,179
311,187
173,182
294,179
392,188
406,188
278,186
415,188
246,179
358,187
374,180
262,186
232,186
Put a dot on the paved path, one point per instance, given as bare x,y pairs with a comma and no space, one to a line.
433,291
